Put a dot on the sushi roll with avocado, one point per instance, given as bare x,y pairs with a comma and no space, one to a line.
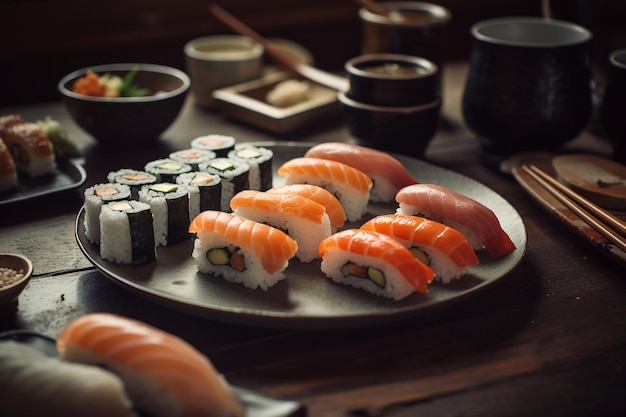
95,197
133,178
166,169
234,177
170,208
260,161
205,191
126,233
192,157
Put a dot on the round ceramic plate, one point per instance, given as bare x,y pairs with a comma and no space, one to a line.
306,298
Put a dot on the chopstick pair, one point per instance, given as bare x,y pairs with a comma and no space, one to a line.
601,220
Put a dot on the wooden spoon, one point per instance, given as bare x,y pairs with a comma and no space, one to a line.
318,76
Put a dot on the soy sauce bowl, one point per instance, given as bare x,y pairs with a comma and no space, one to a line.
10,292
392,80
405,129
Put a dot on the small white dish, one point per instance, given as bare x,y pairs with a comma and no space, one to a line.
10,292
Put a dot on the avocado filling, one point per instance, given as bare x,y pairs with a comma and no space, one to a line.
223,256
365,272
420,256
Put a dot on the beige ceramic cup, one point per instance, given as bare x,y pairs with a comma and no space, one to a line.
219,61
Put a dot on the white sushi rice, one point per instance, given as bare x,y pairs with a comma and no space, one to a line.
354,203
382,190
468,233
228,177
186,179
115,234
158,204
445,268
254,175
396,286
306,233
254,276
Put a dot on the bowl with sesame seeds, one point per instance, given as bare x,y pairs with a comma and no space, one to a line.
15,272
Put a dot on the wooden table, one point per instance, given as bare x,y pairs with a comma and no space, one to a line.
548,340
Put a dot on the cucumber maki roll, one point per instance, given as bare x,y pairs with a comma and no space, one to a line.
260,161
234,175
166,170
205,191
127,233
170,208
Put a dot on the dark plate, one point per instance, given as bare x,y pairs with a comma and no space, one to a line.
68,174
256,405
306,299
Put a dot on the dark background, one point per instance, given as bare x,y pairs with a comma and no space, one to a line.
42,40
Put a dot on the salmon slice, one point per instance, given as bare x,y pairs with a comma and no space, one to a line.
272,246
455,209
418,231
334,209
327,172
371,161
134,350
287,204
379,246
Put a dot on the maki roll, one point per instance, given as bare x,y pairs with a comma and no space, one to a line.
205,191
375,263
260,161
170,208
31,149
220,144
127,233
8,174
241,250
95,197
135,179
234,176
192,157
166,170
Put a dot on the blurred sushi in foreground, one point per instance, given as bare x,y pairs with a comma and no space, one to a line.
476,222
349,185
444,249
387,173
375,263
35,385
163,375
241,250
303,219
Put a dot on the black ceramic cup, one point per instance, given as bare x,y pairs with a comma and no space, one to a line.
392,80
528,86
613,107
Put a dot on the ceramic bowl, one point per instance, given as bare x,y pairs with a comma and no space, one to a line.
10,292
407,130
392,80
128,121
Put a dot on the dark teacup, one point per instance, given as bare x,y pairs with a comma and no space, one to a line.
529,85
613,108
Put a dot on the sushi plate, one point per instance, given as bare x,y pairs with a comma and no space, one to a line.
306,299
256,405
69,174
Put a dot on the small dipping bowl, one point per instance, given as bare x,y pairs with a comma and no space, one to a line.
11,264
405,129
392,80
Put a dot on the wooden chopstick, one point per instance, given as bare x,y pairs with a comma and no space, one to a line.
321,77
573,201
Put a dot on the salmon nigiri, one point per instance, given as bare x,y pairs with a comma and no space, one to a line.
350,185
163,375
388,174
241,250
304,220
478,223
334,209
442,248
375,263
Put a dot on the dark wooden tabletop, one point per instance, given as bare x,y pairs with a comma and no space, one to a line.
547,340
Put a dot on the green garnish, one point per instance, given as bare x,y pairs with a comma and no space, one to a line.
128,89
